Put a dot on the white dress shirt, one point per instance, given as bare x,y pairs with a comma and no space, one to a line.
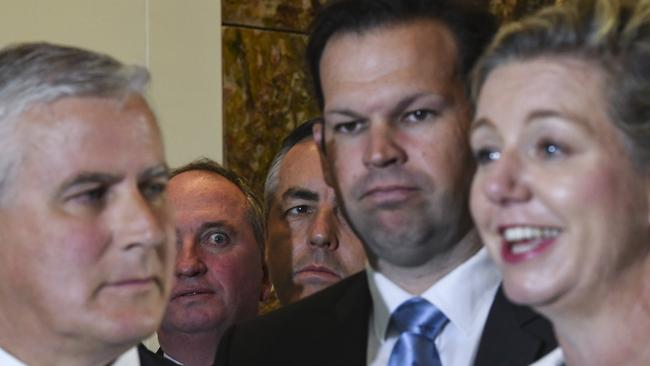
129,358
464,295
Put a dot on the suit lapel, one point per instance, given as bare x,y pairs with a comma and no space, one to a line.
351,315
513,335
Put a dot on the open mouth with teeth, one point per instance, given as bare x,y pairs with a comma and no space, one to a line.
523,242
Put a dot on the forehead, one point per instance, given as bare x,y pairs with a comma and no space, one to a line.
301,168
414,55
205,195
566,85
89,134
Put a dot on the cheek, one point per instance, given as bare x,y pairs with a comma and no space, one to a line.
479,205
598,189
84,245
236,271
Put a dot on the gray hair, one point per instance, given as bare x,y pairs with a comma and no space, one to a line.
33,73
614,35
254,210
298,135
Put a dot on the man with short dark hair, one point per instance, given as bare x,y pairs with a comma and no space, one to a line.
219,274
86,235
390,76
309,244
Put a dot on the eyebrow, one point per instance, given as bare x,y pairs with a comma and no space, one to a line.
154,172
300,193
214,224
535,115
89,177
399,107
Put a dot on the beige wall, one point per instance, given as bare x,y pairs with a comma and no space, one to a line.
178,40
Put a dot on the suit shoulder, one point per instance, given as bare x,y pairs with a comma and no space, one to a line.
297,332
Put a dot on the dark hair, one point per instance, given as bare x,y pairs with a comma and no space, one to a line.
471,26
298,135
254,211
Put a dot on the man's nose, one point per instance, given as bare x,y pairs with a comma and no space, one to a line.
382,146
141,222
322,231
189,262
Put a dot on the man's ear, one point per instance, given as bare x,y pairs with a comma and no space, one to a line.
647,195
319,139
265,290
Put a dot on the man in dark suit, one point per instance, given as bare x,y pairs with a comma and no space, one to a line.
390,77
86,236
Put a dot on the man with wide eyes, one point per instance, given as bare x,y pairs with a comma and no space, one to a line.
219,273
309,244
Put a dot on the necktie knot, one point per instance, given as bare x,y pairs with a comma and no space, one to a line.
417,323
418,316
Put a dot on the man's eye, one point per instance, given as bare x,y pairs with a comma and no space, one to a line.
94,196
419,115
218,238
486,155
299,211
153,190
348,127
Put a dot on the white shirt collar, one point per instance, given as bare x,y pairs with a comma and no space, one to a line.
129,358
553,358
6,359
458,295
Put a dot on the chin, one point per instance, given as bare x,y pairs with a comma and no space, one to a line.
534,294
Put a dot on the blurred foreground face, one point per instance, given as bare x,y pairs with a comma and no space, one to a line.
86,237
219,264
309,244
558,202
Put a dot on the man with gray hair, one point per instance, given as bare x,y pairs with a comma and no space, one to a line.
86,235
309,244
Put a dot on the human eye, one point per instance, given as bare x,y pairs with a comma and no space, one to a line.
349,128
216,238
94,196
486,155
300,210
153,189
550,149
419,115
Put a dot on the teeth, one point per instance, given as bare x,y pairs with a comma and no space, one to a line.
525,233
524,247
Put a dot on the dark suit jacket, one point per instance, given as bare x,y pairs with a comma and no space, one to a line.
148,358
331,328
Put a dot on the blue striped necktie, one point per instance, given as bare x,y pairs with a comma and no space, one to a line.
418,323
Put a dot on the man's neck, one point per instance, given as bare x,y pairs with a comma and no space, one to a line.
190,349
416,280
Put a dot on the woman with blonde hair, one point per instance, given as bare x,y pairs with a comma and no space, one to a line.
561,195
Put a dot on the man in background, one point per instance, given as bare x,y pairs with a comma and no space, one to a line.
309,244
219,275
86,234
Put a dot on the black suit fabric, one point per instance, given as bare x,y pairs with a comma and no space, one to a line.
331,328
